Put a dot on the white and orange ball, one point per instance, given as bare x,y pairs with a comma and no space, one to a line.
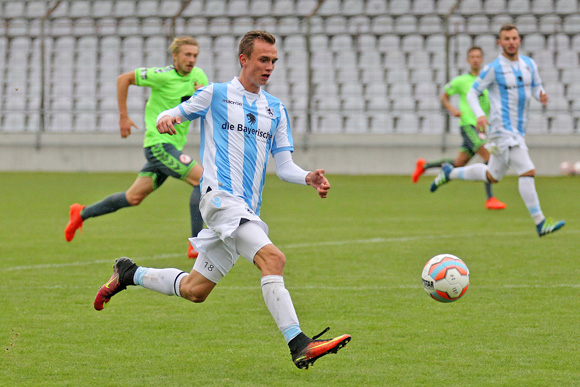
445,278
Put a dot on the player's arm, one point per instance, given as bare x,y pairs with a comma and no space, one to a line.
445,101
486,76
537,90
194,107
123,82
288,171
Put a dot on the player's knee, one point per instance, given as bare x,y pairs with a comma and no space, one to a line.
135,200
491,179
192,294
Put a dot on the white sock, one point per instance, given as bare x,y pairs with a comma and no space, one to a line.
164,281
280,305
473,172
527,186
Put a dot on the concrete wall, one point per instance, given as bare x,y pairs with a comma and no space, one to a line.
338,154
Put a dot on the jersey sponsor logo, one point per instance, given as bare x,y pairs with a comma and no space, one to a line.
260,134
185,159
143,73
270,111
251,118
164,69
225,100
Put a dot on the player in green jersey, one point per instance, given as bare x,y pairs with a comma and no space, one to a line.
170,86
473,140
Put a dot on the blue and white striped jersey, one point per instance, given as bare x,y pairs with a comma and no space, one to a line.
510,85
239,131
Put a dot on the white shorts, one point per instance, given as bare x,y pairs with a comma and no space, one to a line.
511,152
233,230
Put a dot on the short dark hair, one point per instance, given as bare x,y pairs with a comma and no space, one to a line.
475,48
246,46
507,27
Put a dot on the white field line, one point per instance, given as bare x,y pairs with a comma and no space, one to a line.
288,246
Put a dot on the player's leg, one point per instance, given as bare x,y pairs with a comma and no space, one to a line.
252,241
193,179
491,203
521,162
422,165
140,189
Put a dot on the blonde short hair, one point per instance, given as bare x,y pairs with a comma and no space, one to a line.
180,41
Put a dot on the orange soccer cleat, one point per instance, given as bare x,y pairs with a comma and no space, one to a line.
191,253
419,170
75,221
493,204
315,349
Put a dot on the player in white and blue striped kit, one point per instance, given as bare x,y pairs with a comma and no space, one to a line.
512,80
241,127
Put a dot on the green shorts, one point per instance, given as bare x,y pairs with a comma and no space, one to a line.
471,140
164,160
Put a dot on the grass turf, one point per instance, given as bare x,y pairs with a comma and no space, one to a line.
353,263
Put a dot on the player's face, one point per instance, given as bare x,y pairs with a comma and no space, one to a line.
475,60
184,60
510,43
258,67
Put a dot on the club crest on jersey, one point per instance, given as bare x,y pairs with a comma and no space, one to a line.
270,111
251,118
185,159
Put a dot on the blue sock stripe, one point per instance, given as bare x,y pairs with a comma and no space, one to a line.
460,173
138,276
291,332
534,210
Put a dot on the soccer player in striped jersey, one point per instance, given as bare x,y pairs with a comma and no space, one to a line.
169,86
473,140
241,126
512,80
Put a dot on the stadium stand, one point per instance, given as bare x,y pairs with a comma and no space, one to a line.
378,66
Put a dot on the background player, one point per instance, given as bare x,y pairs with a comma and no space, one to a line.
242,125
169,86
511,80
473,139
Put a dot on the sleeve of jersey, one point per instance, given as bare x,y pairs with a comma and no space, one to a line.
145,76
287,170
480,84
450,88
283,135
195,107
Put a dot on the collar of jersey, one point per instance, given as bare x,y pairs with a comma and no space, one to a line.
238,85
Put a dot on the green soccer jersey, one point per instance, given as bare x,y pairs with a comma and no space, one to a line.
168,89
461,85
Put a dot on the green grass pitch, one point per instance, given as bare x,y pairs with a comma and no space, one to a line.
354,263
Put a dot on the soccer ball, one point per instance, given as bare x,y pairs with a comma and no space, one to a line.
445,278
577,167
566,168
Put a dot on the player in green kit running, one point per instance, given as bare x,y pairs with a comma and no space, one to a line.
170,86
473,140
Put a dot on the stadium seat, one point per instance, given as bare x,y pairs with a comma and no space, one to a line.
215,8
566,7
329,123
572,24
382,24
376,7
406,24
36,9
549,75
402,104
537,123
526,24
488,43
356,122
380,122
542,7
573,89
290,25
14,9
322,60
444,6
558,42
469,7
305,7
567,60
330,7
424,7
283,8
124,8
401,89
370,60
353,7
498,21
518,7
407,123
388,43
370,76
260,7
358,25
397,74
60,122
562,124
341,42
366,42
478,24
195,8
411,43
147,8
533,42
433,123
549,23
418,59
430,24
435,43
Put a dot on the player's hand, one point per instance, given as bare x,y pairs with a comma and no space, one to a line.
482,124
317,180
456,113
197,85
543,98
165,125
125,124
